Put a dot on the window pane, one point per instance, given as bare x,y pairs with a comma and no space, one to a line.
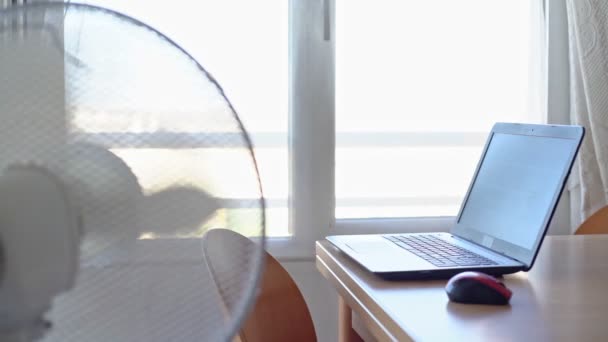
244,45
418,86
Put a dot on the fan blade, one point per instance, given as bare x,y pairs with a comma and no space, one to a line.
176,211
107,192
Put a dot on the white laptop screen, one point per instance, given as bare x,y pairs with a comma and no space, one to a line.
514,192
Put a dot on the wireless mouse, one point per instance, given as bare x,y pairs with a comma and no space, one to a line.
477,288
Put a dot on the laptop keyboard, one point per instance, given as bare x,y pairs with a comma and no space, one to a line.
437,251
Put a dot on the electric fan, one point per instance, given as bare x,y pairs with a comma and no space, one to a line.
118,151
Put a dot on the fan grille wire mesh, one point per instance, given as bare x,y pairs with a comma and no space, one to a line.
144,136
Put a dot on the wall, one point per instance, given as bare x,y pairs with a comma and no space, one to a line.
320,296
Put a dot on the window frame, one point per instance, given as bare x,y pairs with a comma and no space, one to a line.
311,129
312,132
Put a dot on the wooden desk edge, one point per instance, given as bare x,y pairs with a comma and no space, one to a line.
356,297
556,272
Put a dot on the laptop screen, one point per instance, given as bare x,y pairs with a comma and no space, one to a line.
515,190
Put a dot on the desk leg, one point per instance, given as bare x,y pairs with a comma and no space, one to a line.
346,333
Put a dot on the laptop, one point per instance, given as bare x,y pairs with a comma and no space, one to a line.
502,220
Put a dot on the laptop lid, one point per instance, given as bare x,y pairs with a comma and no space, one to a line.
516,187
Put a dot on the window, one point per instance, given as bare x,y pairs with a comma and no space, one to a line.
400,94
244,45
418,86
275,64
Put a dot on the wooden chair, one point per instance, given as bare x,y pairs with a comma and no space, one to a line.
280,312
595,224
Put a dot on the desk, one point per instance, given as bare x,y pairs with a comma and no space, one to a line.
563,298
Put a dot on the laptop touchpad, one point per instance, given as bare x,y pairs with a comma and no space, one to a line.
365,247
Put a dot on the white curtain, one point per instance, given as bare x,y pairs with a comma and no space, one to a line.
588,35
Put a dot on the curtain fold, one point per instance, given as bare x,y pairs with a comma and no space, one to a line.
588,45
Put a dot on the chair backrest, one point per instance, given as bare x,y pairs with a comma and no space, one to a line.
595,224
280,312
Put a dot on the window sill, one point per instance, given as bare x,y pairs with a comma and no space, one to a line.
392,225
290,249
299,249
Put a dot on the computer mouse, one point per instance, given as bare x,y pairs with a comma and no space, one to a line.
477,288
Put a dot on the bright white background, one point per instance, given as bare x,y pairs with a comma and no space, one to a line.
418,86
